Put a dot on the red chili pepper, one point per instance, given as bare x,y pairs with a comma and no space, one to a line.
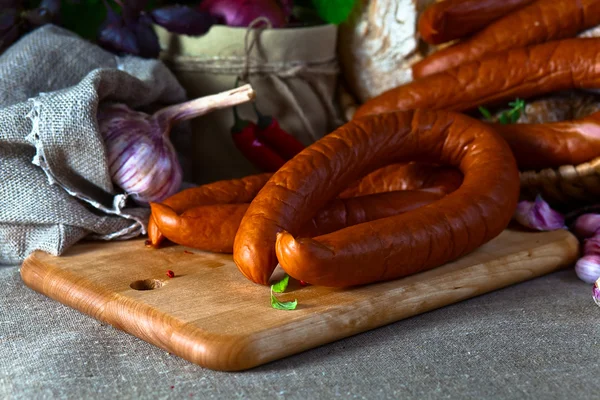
244,137
170,274
271,133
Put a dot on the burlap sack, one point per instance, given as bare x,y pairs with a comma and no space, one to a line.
293,71
55,187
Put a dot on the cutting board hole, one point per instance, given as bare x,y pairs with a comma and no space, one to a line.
147,284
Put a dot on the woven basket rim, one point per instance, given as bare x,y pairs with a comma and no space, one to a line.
568,185
565,172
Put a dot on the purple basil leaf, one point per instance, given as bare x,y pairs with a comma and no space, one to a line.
8,19
47,12
131,9
243,12
9,29
115,36
146,37
134,36
287,6
11,4
183,19
53,6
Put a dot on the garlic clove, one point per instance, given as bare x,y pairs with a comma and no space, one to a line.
587,268
538,215
586,225
596,292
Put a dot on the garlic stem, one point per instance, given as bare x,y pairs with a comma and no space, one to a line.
204,105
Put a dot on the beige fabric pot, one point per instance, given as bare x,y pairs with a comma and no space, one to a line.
293,71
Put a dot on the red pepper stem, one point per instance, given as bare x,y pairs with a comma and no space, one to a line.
263,120
238,123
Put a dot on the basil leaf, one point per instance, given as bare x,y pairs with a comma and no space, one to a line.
515,117
280,286
283,305
334,11
485,112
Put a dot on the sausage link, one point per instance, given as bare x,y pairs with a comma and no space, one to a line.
552,145
523,72
391,247
566,64
539,22
213,227
455,19
222,192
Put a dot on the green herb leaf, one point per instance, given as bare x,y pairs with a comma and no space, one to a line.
515,117
485,112
518,106
280,286
283,305
334,11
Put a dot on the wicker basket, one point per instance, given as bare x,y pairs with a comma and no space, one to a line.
565,187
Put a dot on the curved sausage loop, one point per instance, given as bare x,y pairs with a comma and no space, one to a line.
213,227
221,192
207,217
391,247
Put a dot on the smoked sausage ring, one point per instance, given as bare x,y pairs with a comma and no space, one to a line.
213,227
207,217
387,248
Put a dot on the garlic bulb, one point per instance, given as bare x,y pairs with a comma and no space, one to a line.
141,157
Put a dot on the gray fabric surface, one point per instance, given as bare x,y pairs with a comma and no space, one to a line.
55,187
538,339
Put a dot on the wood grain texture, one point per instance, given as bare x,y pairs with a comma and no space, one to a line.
211,315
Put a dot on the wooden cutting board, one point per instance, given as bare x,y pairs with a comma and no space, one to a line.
211,315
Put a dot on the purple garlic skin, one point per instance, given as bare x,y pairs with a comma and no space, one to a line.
596,292
141,158
538,215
